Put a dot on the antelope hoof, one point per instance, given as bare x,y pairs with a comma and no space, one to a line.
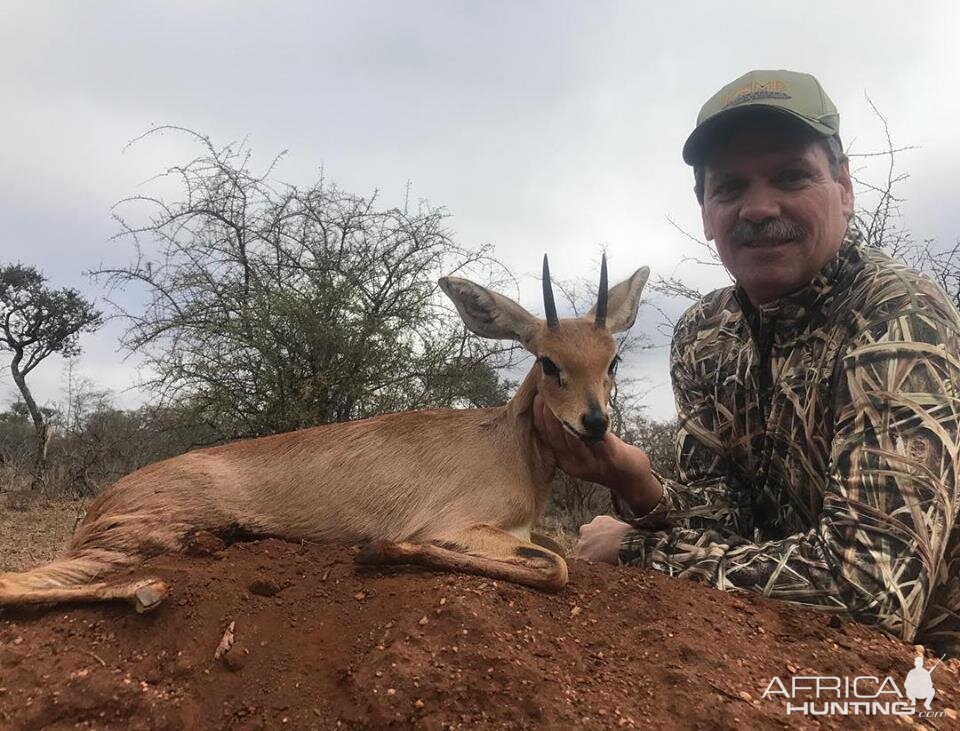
532,556
148,596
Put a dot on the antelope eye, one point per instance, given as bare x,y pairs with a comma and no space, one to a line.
549,367
612,370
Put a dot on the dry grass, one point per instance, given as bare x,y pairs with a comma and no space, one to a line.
33,530
554,529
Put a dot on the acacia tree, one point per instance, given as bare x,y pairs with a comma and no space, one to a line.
35,323
880,218
942,266
271,307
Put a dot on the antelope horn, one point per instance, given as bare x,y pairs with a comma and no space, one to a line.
601,311
549,306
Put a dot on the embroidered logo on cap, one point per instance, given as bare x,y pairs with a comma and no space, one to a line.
756,90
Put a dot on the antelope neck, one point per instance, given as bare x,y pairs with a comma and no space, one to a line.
517,416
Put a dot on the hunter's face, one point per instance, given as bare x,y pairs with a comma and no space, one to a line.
773,209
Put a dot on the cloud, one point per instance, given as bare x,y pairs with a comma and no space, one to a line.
540,126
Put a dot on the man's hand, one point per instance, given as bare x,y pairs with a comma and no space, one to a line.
600,540
611,462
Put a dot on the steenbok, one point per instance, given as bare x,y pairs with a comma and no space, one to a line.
456,490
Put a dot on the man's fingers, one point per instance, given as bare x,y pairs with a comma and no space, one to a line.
538,413
550,427
603,449
578,451
545,423
553,429
572,455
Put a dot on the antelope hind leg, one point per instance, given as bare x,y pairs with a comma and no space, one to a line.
143,594
482,549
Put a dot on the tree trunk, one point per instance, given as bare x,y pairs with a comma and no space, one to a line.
40,428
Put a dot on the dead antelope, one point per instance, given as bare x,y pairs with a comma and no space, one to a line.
456,490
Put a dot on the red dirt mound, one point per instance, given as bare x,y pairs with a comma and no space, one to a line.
322,643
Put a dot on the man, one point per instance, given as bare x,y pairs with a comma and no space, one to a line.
818,398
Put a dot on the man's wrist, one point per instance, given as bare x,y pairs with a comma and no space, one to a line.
634,482
642,496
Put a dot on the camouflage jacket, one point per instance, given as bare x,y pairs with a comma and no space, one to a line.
818,449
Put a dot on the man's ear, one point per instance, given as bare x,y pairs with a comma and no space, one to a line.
707,226
708,232
488,314
846,184
623,301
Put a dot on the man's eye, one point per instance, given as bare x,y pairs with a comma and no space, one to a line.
549,367
726,190
612,370
793,177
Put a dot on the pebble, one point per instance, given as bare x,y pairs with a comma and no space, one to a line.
234,660
264,587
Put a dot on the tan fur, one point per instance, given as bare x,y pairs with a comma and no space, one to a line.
453,489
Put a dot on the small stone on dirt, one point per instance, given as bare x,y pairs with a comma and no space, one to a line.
235,659
264,587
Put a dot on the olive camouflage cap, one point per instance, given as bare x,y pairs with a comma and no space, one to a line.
790,93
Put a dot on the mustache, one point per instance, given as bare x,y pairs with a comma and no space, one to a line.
774,229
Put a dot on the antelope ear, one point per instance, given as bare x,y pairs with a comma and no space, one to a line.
623,301
488,314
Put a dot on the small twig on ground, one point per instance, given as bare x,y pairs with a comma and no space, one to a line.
225,643
95,657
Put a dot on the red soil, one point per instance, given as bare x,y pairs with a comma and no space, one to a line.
322,643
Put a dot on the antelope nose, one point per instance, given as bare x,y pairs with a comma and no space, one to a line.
595,423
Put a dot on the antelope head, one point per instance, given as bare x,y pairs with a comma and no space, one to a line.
577,358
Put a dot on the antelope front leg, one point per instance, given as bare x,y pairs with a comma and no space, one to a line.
481,549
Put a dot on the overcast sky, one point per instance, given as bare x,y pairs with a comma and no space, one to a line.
540,126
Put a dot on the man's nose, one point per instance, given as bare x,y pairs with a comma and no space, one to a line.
759,204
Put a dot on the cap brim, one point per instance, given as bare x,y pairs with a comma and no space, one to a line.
699,141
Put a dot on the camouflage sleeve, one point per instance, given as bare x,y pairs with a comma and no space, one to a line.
890,502
706,496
